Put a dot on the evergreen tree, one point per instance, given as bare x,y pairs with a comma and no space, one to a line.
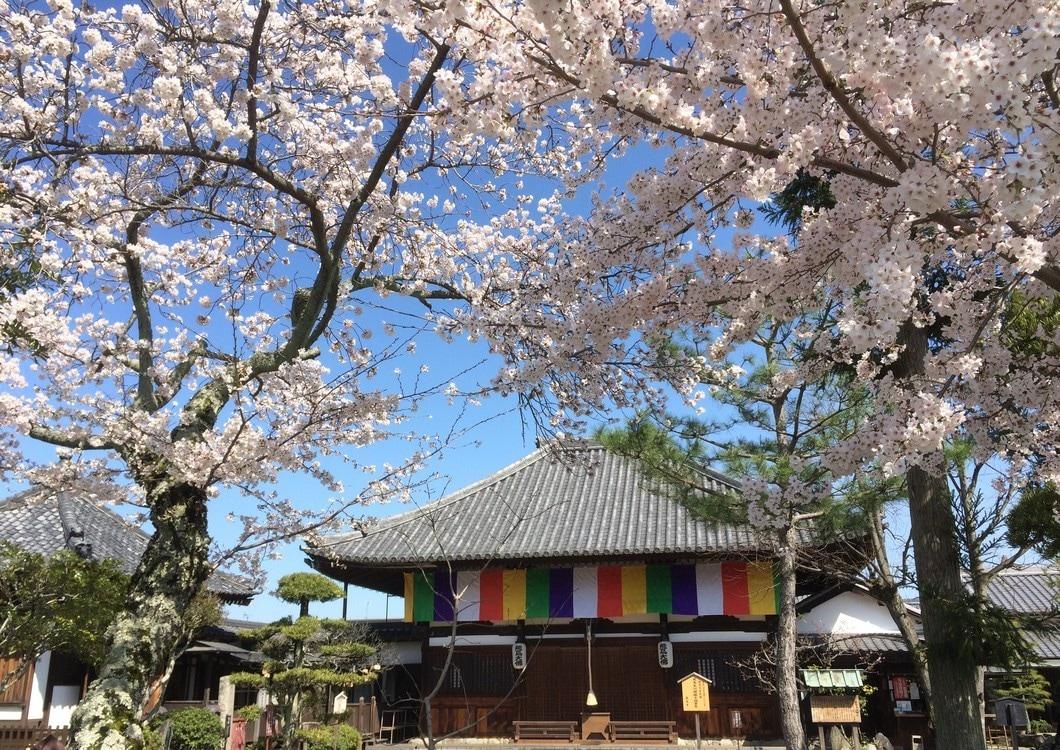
308,658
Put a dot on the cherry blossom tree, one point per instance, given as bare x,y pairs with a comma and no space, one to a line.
935,126
204,208
213,190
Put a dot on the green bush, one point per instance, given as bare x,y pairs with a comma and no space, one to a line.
194,729
1041,726
250,713
152,739
336,737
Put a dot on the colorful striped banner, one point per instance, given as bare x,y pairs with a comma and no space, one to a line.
726,588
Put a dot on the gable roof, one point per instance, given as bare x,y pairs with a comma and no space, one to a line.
1030,589
45,522
575,502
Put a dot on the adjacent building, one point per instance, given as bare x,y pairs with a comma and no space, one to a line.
46,522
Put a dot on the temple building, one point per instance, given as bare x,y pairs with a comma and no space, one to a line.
572,581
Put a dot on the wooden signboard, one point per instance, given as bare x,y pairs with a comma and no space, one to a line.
835,709
695,692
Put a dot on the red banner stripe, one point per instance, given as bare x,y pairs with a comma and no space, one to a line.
491,595
736,600
609,591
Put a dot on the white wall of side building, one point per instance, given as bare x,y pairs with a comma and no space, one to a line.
848,613
35,710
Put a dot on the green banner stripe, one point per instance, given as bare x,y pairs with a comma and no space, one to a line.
660,599
423,597
537,592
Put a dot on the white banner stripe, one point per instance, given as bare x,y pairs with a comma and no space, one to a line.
467,582
709,595
585,592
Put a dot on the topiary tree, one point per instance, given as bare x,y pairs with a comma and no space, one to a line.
309,657
1031,687
303,588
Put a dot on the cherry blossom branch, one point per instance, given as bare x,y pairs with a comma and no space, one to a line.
65,147
832,86
69,440
253,60
145,393
755,149
390,148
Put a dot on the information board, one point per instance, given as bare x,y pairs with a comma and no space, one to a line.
695,692
835,709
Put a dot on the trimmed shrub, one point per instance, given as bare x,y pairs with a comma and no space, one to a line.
194,729
335,737
250,713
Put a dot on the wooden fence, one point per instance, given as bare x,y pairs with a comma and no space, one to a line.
20,735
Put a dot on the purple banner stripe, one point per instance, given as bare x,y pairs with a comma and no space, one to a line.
561,592
444,586
683,588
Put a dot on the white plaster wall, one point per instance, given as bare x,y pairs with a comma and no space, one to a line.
35,710
64,701
10,713
850,612
471,640
722,636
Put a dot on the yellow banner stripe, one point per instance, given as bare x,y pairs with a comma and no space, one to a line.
760,595
515,594
634,590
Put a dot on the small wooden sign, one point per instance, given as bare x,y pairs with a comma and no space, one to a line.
695,692
835,709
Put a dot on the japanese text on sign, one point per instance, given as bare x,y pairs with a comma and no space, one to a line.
695,693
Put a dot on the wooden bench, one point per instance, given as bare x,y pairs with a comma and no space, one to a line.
565,731
644,731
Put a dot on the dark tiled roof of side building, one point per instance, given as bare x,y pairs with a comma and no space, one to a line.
576,502
1029,589
45,522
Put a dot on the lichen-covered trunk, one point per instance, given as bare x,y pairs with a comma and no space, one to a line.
147,633
954,698
787,656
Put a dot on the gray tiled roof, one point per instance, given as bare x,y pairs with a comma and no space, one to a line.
46,522
1033,589
868,642
1046,644
580,501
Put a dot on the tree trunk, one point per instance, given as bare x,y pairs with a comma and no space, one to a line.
787,658
887,588
147,634
933,529
955,701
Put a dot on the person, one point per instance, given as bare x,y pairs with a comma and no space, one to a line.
51,742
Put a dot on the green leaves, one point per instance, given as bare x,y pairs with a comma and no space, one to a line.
303,588
63,602
1035,520
309,656
1031,687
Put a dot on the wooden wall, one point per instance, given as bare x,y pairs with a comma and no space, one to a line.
486,694
17,692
